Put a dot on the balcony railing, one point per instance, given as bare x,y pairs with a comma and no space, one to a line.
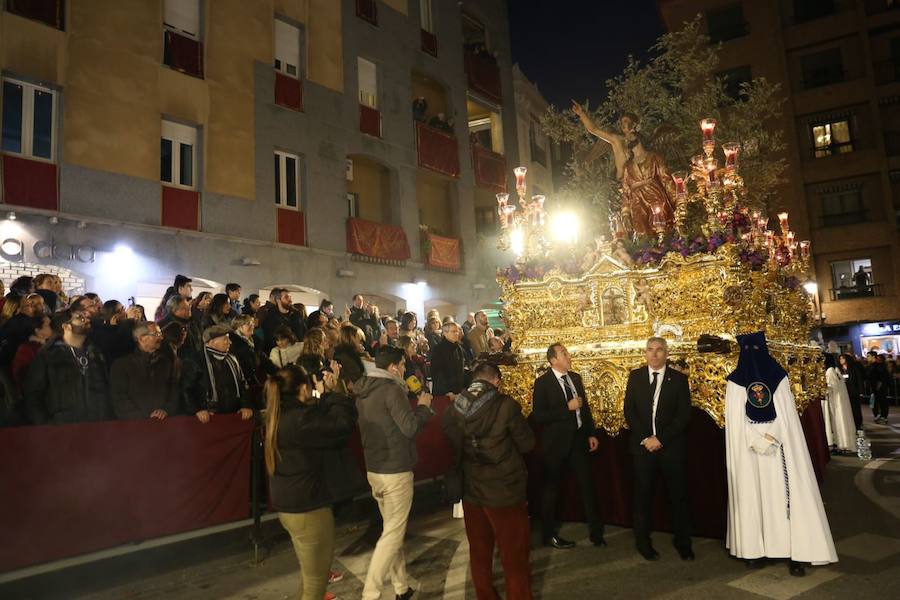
381,242
490,168
832,149
860,291
845,218
370,120
483,74
437,150
288,92
183,53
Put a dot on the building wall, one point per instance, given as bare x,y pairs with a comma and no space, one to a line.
774,46
115,91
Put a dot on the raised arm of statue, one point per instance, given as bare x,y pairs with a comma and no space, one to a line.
616,140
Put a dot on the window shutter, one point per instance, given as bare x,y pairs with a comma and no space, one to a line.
179,133
183,15
287,44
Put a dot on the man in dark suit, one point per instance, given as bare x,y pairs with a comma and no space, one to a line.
657,411
568,436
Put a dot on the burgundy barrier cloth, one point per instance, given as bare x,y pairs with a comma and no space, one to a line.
437,150
490,168
369,120
74,489
429,43
29,183
378,240
291,228
183,53
288,91
483,75
180,208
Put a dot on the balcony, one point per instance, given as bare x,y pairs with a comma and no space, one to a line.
483,74
437,150
429,43
291,226
377,242
442,253
490,168
180,208
183,53
850,293
370,120
845,218
288,92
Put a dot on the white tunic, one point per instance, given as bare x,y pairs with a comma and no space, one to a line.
761,485
843,430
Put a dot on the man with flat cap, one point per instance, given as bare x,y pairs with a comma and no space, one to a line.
212,381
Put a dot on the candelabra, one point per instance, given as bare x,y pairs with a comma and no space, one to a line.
522,225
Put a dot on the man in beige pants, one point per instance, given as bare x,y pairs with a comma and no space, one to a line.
388,428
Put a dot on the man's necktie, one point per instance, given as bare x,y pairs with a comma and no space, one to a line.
570,393
652,396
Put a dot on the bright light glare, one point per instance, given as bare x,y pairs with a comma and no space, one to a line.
811,287
517,241
564,227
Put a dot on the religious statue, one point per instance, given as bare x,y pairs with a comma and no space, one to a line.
648,207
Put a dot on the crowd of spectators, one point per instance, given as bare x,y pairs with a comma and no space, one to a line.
71,360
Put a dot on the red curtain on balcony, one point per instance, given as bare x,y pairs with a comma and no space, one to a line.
288,92
490,168
291,227
50,12
429,42
378,240
443,252
183,54
437,150
369,120
74,489
483,75
180,208
29,183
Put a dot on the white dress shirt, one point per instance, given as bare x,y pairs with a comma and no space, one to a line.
659,383
562,383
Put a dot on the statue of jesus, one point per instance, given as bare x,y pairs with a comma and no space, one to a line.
647,203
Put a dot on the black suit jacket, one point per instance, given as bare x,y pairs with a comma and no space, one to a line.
549,408
673,412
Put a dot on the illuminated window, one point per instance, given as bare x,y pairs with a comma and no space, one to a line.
832,138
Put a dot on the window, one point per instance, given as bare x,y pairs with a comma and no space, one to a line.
843,206
352,205
852,278
538,154
183,16
368,83
733,79
49,12
486,221
29,120
287,48
178,156
474,34
425,16
367,10
822,68
726,23
832,137
807,10
287,180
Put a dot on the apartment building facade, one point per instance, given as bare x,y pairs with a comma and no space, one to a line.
271,143
838,63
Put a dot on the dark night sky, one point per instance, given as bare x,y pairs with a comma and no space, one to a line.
571,47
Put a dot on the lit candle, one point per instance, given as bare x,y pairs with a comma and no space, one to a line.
783,222
501,212
711,165
520,180
502,199
680,188
731,150
708,127
804,249
538,200
790,237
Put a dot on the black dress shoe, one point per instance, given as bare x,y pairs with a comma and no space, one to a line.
407,594
598,540
755,563
797,569
559,543
686,554
648,553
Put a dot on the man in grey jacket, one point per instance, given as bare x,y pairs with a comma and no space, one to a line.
388,427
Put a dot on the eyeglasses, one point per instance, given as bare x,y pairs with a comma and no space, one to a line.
156,334
78,319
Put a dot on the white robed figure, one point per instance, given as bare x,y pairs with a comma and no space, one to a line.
774,506
839,427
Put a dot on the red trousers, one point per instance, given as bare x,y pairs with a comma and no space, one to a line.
507,526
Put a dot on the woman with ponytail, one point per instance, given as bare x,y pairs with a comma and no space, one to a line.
306,421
